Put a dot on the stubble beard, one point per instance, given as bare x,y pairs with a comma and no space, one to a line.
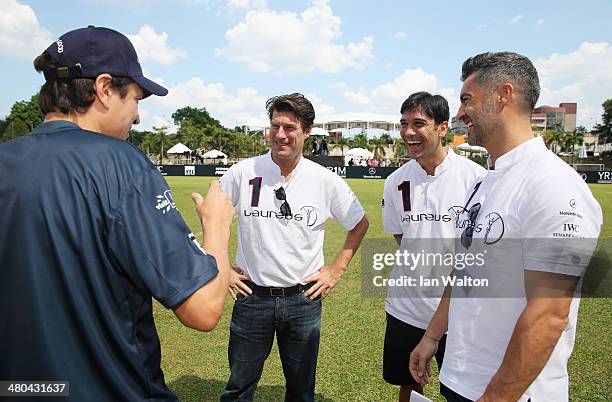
483,128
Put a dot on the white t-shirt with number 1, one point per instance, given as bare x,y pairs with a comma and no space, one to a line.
274,250
421,207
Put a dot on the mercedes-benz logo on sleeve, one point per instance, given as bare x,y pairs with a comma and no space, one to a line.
572,203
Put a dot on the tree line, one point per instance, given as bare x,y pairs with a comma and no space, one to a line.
197,128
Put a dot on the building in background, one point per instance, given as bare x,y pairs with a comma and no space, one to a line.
458,127
562,118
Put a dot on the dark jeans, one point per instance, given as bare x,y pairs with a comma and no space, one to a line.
452,396
296,322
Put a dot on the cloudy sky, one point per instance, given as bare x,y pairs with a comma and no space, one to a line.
350,58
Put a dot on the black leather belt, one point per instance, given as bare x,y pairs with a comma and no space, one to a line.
268,291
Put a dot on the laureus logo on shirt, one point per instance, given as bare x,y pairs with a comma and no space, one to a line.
311,215
456,211
451,216
165,202
495,228
307,215
492,224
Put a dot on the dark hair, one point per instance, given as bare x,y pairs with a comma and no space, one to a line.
70,95
295,103
493,68
434,106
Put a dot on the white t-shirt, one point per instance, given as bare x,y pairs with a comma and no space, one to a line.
419,206
532,198
278,251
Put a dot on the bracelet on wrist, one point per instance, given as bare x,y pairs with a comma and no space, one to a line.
432,338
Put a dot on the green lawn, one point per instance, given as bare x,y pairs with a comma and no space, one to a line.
350,358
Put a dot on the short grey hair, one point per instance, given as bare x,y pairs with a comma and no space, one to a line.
492,68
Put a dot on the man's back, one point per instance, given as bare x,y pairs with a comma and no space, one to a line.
76,291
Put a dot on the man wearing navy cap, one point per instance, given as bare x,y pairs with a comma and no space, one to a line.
90,233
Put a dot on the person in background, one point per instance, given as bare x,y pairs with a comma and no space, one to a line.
316,150
323,151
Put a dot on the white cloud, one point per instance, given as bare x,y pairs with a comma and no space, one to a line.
481,26
516,19
539,22
582,76
390,95
400,35
156,79
194,2
153,46
357,98
245,106
285,42
159,122
21,35
320,107
128,3
247,4
339,86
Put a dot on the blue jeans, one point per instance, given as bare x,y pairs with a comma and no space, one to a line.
296,321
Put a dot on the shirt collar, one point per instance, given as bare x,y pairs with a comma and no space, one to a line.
442,167
516,155
275,169
55,125
446,163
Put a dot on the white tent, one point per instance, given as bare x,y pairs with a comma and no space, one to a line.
471,148
178,149
214,154
359,153
476,148
319,131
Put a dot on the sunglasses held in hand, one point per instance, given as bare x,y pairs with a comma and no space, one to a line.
468,232
285,209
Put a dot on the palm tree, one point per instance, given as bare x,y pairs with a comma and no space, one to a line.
553,139
399,148
149,143
378,146
361,141
387,138
342,142
160,133
570,140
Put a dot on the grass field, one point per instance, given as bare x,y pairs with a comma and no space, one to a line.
350,358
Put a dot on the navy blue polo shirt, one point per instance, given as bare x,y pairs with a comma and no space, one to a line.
89,233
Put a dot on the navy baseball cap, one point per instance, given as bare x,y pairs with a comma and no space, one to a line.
89,52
